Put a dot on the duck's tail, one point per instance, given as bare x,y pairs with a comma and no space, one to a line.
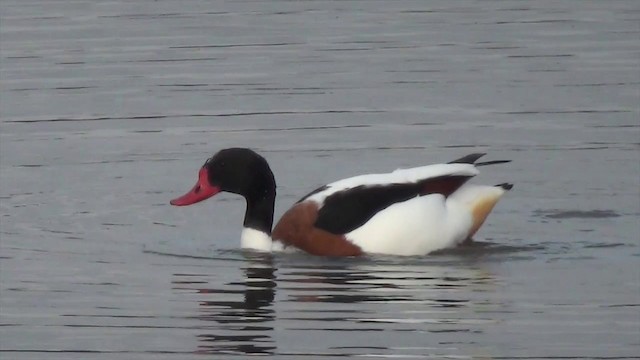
472,158
480,200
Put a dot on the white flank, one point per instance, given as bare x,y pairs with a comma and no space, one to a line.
414,227
424,224
400,176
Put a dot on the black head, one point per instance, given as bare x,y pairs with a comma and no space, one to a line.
235,170
240,171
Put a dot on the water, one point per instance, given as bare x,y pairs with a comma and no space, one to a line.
109,108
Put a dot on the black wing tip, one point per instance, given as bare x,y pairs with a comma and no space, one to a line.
505,186
468,159
321,188
492,162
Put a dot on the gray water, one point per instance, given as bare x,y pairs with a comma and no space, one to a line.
108,108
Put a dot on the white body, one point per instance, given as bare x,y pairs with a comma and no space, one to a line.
427,223
415,227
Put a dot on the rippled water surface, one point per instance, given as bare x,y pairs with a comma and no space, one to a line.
108,108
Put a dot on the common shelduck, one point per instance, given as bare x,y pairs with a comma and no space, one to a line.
405,212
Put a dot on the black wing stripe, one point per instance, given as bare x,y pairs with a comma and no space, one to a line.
349,209
445,185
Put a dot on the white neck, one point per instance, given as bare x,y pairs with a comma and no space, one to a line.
255,239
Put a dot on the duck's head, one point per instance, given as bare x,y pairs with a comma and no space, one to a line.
236,170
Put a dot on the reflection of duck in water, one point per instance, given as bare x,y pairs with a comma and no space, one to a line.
358,297
387,307
384,282
406,212
244,326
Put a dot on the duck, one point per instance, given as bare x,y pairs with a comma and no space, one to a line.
406,212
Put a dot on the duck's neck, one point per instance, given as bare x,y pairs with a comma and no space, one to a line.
258,219
259,213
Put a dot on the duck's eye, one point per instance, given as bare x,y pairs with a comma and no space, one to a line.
197,189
